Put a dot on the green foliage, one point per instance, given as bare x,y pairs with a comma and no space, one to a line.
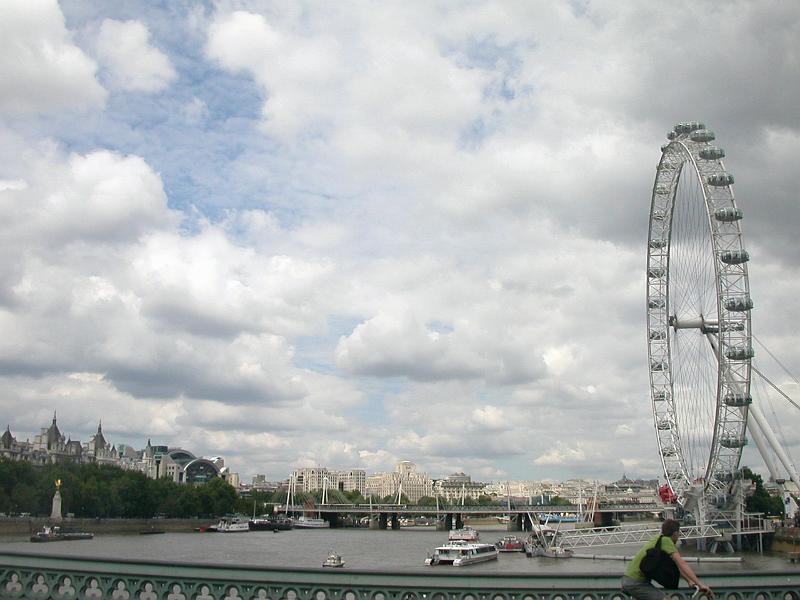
760,501
108,492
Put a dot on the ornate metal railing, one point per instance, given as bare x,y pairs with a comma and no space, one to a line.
41,577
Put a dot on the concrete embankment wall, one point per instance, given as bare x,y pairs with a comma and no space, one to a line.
786,539
26,526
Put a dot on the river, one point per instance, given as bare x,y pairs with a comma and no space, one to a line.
403,550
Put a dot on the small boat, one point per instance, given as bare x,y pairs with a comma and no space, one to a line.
545,518
333,560
556,552
232,525
459,553
151,531
464,534
56,534
304,522
510,543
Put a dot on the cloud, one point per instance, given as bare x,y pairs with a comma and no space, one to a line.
124,49
42,70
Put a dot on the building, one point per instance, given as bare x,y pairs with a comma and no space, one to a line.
458,487
405,480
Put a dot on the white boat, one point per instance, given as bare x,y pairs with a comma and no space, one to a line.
465,534
333,560
304,522
232,525
459,553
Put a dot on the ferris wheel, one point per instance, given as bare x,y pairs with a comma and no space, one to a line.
698,319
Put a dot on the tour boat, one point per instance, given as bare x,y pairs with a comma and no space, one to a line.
465,534
232,525
56,534
269,524
304,522
510,543
459,553
333,560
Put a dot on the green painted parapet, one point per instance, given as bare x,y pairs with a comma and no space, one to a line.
41,577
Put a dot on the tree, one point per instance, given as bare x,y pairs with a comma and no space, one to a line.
760,501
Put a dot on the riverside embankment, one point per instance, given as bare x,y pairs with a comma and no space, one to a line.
24,526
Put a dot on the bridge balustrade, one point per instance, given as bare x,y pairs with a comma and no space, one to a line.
69,578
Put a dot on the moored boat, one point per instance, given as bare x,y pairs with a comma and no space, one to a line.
304,522
510,543
459,553
265,523
464,534
56,534
232,525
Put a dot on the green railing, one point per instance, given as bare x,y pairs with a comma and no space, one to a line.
41,577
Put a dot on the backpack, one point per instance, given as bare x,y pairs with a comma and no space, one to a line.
659,566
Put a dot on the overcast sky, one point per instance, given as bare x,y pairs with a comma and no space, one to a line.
351,233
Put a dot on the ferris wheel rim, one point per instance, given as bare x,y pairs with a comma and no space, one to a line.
689,147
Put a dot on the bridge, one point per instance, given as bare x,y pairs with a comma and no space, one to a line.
69,578
521,517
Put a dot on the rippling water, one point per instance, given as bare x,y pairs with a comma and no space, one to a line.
363,549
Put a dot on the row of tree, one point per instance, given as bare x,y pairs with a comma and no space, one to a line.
91,491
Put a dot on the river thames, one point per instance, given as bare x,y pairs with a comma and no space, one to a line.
402,550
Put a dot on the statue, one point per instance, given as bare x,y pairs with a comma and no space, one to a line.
55,515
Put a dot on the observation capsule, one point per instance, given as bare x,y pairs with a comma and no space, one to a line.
740,352
671,136
728,214
702,135
738,303
737,399
732,442
720,179
734,257
712,153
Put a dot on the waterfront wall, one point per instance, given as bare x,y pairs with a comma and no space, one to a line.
62,577
26,526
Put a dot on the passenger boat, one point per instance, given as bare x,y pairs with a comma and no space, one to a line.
304,522
232,525
333,560
465,534
459,553
56,534
510,543
269,524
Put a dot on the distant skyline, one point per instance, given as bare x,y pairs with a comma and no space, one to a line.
312,233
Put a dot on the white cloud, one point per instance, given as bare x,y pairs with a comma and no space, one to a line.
133,64
42,70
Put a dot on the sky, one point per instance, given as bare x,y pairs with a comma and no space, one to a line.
346,234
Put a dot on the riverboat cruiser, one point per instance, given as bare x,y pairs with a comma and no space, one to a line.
465,534
269,524
56,534
232,525
459,553
304,522
510,543
333,560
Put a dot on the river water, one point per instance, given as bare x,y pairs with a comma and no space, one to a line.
402,550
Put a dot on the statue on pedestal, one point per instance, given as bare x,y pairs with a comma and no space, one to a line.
55,515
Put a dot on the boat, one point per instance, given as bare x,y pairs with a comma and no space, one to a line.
545,518
269,524
510,543
232,525
303,522
333,560
56,534
459,553
151,531
464,534
556,552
